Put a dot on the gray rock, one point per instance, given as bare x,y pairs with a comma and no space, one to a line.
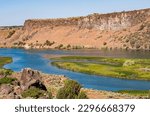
31,78
6,92
5,89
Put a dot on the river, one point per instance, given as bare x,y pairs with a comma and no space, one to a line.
34,59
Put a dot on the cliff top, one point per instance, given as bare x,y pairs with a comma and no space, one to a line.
113,14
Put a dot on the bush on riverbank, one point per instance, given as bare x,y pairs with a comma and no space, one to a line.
71,90
35,93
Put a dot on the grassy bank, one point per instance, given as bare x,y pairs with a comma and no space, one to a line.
141,93
4,60
5,72
114,67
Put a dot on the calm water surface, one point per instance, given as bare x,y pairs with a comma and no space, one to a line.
33,59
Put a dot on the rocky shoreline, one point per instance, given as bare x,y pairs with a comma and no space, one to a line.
47,86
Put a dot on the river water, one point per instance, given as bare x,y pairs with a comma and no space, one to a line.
33,59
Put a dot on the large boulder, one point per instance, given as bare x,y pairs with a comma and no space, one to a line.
31,78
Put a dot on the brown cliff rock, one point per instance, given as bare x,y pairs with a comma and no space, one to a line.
111,21
120,30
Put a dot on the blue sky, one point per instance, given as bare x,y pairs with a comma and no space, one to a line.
15,12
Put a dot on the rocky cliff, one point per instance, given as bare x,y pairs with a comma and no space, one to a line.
120,30
111,21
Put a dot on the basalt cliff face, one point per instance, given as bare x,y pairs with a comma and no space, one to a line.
122,30
112,21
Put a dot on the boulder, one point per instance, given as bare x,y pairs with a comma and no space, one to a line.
5,89
31,78
6,92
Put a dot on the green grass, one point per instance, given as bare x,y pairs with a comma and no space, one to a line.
136,92
33,93
113,67
6,80
4,60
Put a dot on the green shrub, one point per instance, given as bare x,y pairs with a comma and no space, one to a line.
60,46
72,86
105,43
82,95
8,72
78,47
68,46
20,43
5,72
149,94
48,43
6,80
34,93
2,72
71,90
61,94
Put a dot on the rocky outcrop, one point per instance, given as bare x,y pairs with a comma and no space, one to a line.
6,91
31,78
112,21
35,23
31,81
10,91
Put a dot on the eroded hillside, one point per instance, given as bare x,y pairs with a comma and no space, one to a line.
123,30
